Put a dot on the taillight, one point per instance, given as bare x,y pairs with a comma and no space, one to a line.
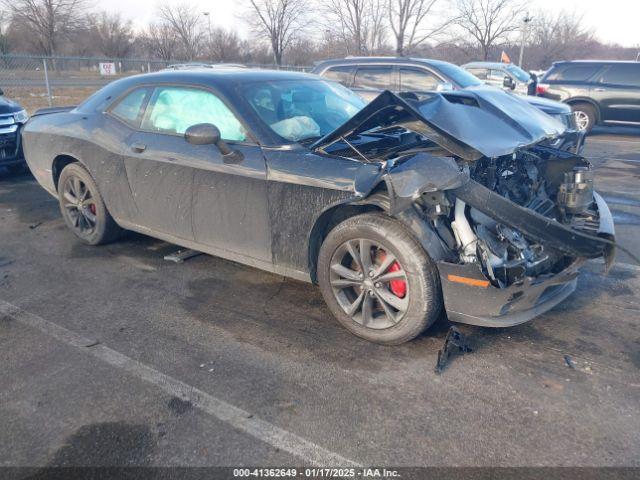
542,88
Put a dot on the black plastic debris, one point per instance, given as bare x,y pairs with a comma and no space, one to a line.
569,361
453,342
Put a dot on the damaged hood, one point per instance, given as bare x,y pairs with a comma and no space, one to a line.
470,124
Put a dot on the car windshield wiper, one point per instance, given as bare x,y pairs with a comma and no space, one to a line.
309,140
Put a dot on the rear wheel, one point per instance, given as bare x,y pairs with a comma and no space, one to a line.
585,116
377,279
82,207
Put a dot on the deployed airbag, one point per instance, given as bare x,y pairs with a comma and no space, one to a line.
297,128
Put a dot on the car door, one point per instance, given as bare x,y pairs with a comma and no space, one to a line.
414,79
496,78
342,74
191,191
370,80
618,93
481,73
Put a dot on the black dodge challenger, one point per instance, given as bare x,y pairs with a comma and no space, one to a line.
397,209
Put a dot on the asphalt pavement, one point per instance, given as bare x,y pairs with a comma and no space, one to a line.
113,356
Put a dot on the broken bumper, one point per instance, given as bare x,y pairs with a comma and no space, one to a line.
478,302
503,307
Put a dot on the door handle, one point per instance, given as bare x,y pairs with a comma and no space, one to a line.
601,89
138,147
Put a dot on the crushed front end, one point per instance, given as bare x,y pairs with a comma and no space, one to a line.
520,227
507,218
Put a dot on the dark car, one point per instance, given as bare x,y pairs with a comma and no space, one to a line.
396,209
599,92
12,118
368,76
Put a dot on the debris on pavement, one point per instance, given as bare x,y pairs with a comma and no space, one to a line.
569,362
35,225
454,341
179,256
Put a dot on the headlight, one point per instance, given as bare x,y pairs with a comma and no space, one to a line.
21,117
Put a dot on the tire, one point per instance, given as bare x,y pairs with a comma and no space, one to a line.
384,315
586,116
82,207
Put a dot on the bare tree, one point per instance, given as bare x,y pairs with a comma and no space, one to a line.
48,20
5,42
412,23
560,37
114,36
359,24
488,22
186,23
225,45
280,21
161,42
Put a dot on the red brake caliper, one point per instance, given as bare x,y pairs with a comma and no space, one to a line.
397,287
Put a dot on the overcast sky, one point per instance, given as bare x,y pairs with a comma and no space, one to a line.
613,20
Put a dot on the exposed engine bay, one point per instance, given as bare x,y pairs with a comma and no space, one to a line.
558,188
554,184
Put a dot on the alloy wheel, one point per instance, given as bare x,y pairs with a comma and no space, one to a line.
80,205
582,120
369,283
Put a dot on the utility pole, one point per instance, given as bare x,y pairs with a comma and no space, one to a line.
207,14
525,27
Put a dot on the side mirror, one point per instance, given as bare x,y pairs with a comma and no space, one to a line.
508,83
1,92
209,134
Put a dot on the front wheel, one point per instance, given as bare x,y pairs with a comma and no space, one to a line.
82,207
377,280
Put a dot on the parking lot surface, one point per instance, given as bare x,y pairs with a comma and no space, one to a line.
113,356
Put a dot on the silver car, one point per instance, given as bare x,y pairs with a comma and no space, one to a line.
503,75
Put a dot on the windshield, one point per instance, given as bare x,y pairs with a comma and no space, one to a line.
519,73
299,110
459,76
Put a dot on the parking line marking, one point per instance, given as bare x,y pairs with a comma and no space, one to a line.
236,417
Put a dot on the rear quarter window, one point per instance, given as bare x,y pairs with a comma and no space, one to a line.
131,107
572,73
624,74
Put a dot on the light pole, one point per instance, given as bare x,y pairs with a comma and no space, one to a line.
525,21
206,14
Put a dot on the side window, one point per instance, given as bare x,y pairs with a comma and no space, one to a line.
417,80
573,73
623,74
174,109
378,77
497,75
341,74
481,73
131,107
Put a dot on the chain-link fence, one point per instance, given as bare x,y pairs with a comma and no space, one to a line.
36,81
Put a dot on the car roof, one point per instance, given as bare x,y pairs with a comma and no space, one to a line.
380,59
221,75
486,64
595,62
